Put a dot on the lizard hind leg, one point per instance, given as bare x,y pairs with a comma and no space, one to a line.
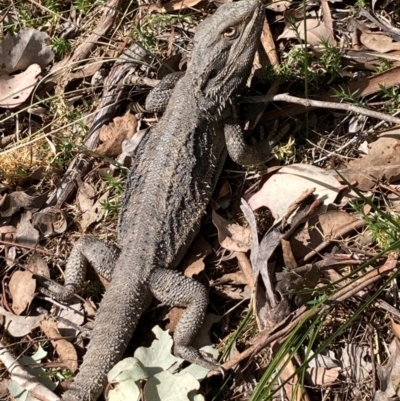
174,289
87,249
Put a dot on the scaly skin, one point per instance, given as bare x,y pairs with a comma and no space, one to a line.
166,194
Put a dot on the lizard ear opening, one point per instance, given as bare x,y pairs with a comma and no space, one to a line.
231,32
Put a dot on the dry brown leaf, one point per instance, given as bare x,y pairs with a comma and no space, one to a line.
22,290
231,236
50,221
389,374
64,349
73,314
113,134
289,183
318,229
395,328
378,42
317,31
194,260
11,203
85,196
20,326
174,5
28,47
356,365
382,162
237,278
6,230
4,391
95,213
15,89
173,317
234,292
279,6
37,265
322,377
7,233
26,233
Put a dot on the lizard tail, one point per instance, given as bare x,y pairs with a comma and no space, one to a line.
113,329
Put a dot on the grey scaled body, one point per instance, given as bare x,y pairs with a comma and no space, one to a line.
166,194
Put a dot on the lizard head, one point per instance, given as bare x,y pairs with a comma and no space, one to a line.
224,48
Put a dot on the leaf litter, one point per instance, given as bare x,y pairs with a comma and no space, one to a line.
297,249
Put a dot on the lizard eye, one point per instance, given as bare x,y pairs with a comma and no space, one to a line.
230,32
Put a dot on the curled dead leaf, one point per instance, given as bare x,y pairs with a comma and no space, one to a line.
20,326
318,229
232,237
15,89
379,42
320,376
316,30
50,221
64,349
389,374
113,134
22,290
381,162
26,233
194,260
289,183
37,265
29,46
86,193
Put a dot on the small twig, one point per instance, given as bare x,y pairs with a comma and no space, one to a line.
336,235
85,331
320,104
370,334
297,202
63,306
380,303
48,10
245,267
30,248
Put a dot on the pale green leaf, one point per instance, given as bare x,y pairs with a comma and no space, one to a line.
165,386
127,390
17,391
158,356
127,369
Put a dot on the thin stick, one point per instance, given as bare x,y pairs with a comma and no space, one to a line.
30,248
284,97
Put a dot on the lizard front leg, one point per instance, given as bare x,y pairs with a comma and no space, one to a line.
158,97
174,289
244,154
87,249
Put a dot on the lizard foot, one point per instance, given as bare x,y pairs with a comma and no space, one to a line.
198,357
